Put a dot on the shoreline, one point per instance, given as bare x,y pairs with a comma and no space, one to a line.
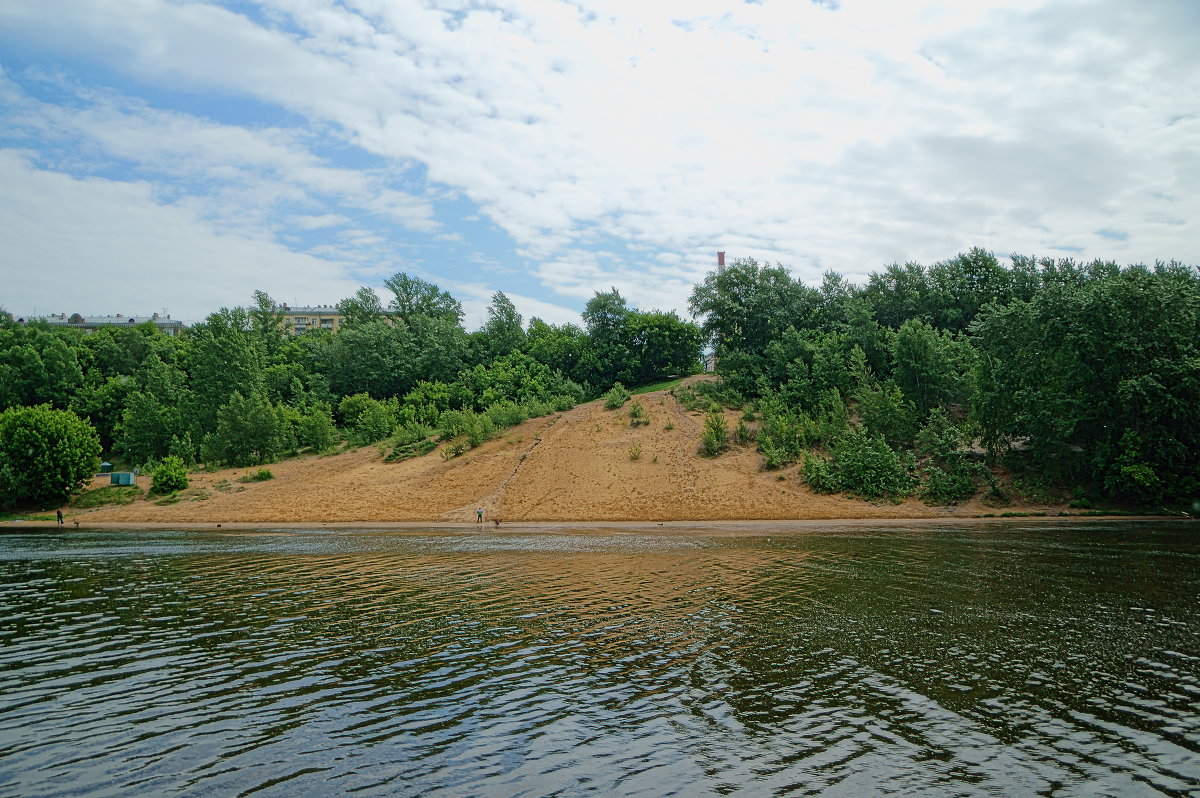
746,527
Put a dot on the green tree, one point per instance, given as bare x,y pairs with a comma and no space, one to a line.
37,365
412,296
361,308
45,455
503,332
660,345
266,324
248,432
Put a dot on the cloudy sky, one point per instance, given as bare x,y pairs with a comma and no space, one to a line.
164,154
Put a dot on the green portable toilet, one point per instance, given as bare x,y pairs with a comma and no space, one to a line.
121,478
106,468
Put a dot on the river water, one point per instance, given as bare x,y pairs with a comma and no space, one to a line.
981,659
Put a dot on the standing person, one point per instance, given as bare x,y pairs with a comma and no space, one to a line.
479,516
60,518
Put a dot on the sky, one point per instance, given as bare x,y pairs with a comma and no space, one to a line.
171,156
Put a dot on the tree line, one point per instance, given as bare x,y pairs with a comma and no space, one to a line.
237,390
1078,377
1081,377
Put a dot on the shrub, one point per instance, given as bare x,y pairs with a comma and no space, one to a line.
820,474
949,474
616,397
409,450
716,434
506,414
744,434
315,429
374,422
452,423
479,429
261,475
719,392
637,415
453,449
170,476
45,455
864,464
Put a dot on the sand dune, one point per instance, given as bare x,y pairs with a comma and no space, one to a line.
571,466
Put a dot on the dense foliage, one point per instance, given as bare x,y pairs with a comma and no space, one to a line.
237,390
1079,378
45,455
1085,377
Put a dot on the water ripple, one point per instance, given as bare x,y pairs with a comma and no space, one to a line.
974,661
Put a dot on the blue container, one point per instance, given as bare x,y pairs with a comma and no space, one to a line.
121,478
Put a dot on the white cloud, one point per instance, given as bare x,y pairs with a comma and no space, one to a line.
824,138
98,246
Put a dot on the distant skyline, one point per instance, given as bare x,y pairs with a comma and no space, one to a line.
172,157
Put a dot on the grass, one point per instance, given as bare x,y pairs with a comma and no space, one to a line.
657,386
16,515
109,494
261,475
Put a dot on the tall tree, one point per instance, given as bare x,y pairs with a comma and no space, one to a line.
503,332
412,296
361,308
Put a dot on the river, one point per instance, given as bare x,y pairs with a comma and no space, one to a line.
978,659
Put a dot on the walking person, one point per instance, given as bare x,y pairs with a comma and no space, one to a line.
60,518
479,516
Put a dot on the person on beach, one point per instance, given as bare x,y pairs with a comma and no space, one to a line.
479,516
60,518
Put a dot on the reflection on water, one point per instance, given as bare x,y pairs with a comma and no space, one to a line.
988,659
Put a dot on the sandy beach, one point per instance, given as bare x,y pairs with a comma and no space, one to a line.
568,468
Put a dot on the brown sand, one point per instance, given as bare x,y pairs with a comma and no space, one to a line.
569,467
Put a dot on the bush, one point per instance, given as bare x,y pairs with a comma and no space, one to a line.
716,434
261,475
949,475
744,434
407,451
688,399
374,422
315,429
45,455
861,464
867,466
479,429
820,474
170,476
616,397
720,392
506,414
637,415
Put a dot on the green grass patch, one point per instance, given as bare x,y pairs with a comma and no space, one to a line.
109,494
657,386
410,450
174,498
16,515
261,475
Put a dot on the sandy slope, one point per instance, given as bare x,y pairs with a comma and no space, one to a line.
571,466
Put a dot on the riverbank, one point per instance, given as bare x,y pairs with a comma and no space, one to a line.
585,465
744,528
